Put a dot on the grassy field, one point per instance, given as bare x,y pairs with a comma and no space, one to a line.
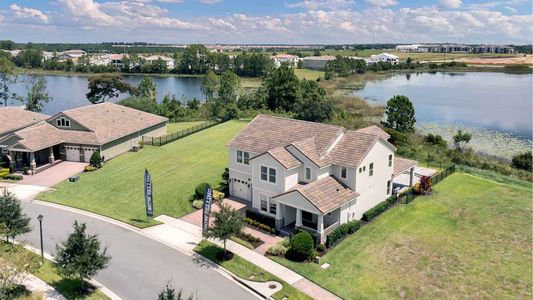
248,271
470,239
308,74
179,126
177,168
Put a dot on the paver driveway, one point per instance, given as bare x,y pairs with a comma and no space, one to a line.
55,174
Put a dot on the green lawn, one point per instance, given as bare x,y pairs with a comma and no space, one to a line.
308,74
179,126
177,168
471,239
248,271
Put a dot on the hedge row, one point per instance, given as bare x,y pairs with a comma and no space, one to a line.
260,225
378,209
261,218
342,231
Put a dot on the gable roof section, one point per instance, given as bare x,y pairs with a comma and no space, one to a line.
268,132
13,118
375,130
112,121
325,194
402,164
285,158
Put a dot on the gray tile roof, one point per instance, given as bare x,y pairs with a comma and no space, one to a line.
325,194
13,118
323,144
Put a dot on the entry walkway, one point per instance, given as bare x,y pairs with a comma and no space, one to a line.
186,236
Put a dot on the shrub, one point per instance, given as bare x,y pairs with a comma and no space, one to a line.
314,235
342,231
4,172
96,159
425,185
197,204
277,250
248,237
375,211
218,195
199,192
523,161
261,218
302,247
13,177
321,248
90,168
259,225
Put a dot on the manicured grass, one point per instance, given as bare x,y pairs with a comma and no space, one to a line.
66,287
470,239
308,74
117,190
179,126
247,270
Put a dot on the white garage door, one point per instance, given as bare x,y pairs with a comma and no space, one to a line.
73,153
87,152
240,189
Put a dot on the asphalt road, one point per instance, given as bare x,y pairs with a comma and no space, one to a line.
140,267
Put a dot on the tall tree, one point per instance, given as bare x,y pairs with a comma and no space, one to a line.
282,88
36,93
29,58
460,139
313,105
8,76
227,222
12,220
80,256
210,84
106,86
7,44
400,114
194,60
147,88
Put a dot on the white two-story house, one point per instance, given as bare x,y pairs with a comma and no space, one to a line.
312,175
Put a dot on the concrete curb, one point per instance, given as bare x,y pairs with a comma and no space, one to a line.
132,228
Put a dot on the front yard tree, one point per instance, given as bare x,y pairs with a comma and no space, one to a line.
96,159
15,265
147,88
12,220
106,86
36,95
169,293
80,257
400,114
227,222
8,76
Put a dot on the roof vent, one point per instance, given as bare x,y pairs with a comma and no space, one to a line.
337,189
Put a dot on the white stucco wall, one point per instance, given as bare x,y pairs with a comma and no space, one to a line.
241,172
373,189
124,144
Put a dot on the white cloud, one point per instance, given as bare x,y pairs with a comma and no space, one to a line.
169,1
451,3
382,3
321,4
210,1
28,13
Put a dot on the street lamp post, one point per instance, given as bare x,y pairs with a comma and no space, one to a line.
40,218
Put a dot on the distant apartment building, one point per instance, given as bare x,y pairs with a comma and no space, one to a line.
278,59
169,61
317,62
502,49
384,58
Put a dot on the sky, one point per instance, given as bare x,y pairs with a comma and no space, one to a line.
267,21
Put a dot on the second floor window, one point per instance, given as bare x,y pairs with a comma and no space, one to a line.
371,169
390,160
243,157
388,187
268,174
343,172
307,173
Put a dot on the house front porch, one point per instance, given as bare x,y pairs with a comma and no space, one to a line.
293,218
35,161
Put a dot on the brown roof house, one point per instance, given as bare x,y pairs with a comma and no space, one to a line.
38,141
311,175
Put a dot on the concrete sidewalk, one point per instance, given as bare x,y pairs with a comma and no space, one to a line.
186,236
34,284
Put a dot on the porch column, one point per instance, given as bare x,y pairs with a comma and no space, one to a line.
279,222
13,162
51,158
320,224
411,176
298,217
33,164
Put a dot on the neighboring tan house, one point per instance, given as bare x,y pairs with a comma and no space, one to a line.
75,134
311,175
317,62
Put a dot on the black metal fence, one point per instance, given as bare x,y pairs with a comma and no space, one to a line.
410,195
162,140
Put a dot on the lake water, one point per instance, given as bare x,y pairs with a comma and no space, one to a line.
495,101
69,91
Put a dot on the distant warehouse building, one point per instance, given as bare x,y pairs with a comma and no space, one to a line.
502,49
316,62
436,48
